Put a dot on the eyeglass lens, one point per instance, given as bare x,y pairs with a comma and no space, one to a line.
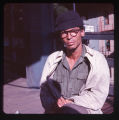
73,33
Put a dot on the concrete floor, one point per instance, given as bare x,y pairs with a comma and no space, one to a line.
18,98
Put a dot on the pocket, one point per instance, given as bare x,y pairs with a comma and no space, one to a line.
81,80
57,77
78,83
82,76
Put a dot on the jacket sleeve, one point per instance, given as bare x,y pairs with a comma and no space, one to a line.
96,90
45,71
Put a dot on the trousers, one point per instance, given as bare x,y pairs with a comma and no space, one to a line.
71,109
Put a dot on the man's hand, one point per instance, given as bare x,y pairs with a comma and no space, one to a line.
61,101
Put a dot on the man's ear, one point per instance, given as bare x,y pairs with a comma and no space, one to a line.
82,33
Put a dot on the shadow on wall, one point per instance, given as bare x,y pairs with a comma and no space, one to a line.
36,29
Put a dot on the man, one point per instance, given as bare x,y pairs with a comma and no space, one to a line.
81,72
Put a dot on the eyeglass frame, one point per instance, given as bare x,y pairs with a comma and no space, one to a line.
66,32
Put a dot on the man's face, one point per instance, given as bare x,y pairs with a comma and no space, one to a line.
72,37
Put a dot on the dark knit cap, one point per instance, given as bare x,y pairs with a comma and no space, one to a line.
68,20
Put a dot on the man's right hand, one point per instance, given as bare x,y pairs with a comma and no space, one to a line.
61,101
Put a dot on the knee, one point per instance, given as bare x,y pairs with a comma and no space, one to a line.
72,109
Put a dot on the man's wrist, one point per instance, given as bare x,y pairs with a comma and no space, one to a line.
71,99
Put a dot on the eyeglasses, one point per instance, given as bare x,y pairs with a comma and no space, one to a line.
73,33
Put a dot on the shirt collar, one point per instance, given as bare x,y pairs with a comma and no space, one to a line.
81,59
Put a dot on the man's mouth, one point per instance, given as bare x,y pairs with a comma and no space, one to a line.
70,43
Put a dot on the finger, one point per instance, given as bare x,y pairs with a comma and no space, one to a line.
59,103
63,100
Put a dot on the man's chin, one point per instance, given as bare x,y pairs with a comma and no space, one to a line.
71,48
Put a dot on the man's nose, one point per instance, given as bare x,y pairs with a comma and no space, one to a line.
69,36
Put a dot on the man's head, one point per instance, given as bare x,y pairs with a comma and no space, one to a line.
70,27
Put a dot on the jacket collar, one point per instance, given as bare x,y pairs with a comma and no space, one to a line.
89,50
58,57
